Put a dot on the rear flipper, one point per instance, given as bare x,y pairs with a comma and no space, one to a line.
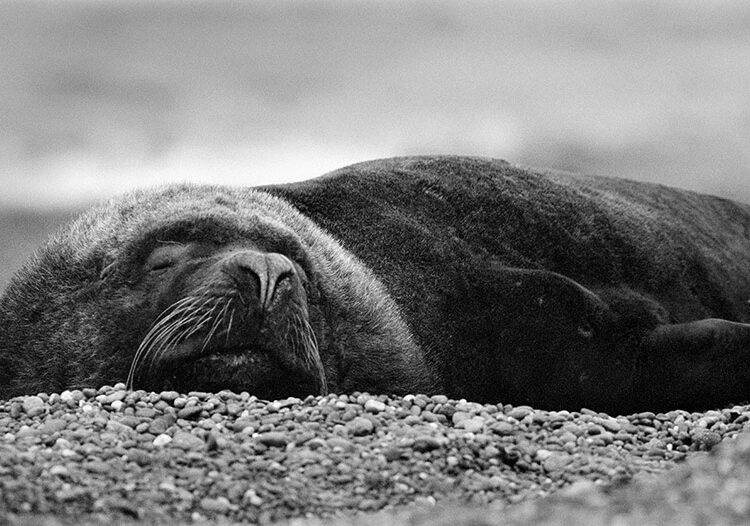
694,366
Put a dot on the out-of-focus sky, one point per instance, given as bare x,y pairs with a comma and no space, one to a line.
97,97
100,96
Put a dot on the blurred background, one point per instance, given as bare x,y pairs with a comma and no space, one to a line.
97,97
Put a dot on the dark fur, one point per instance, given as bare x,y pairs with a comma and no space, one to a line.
551,289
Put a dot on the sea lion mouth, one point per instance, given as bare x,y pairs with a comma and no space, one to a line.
201,343
237,369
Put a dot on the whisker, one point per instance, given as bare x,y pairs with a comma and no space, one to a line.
177,315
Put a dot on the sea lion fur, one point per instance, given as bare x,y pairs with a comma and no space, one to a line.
463,276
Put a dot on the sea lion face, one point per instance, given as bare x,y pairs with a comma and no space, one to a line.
227,301
234,316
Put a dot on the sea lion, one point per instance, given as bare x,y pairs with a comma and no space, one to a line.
464,276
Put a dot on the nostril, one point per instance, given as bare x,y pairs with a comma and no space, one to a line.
259,272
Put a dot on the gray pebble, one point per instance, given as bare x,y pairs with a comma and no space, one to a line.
34,406
360,426
273,439
374,406
186,440
426,443
320,456
52,425
190,412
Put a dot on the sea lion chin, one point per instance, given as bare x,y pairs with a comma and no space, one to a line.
461,276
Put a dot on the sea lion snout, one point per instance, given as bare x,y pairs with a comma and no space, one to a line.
258,274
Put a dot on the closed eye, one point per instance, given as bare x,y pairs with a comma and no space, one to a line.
165,256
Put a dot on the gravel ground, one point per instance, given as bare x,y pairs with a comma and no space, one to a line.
110,456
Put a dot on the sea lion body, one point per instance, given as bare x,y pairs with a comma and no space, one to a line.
463,276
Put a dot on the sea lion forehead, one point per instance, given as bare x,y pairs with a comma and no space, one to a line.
210,213
136,211
201,199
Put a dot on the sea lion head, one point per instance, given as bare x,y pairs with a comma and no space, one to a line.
202,288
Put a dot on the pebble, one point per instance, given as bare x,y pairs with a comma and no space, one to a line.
162,440
426,443
52,425
252,498
169,396
473,424
360,426
273,439
190,412
374,406
241,423
184,440
204,455
217,505
34,406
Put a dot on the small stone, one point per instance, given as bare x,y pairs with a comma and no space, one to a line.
71,494
595,430
315,443
542,455
33,406
217,505
169,396
241,423
162,440
472,425
115,397
252,498
190,413
273,439
520,412
704,439
340,443
145,412
139,456
97,466
393,453
374,406
556,462
130,421
426,443
610,424
59,471
117,427
89,392
503,428
212,444
360,426
186,440
158,426
52,425
459,416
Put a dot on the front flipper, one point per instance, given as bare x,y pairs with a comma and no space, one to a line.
539,338
695,366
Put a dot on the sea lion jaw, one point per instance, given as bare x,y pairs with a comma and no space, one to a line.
235,319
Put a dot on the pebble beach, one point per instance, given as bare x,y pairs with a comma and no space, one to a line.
224,458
